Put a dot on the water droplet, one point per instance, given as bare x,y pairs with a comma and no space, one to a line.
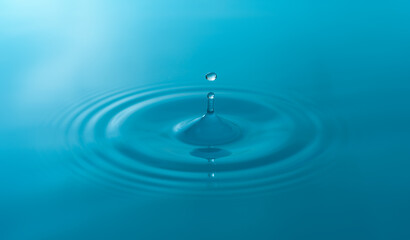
211,76
211,102
211,95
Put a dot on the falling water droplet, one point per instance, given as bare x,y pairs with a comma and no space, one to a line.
210,76
211,102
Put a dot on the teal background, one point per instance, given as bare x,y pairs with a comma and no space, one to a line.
351,58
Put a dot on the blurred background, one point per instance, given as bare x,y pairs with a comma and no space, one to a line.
351,58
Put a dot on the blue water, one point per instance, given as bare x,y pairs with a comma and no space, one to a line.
94,95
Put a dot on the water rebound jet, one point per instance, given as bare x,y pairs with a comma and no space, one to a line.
209,129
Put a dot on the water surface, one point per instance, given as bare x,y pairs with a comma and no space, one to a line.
91,94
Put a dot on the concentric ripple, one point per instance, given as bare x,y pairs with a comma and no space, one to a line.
127,140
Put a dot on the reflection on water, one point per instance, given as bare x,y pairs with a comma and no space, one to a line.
210,153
